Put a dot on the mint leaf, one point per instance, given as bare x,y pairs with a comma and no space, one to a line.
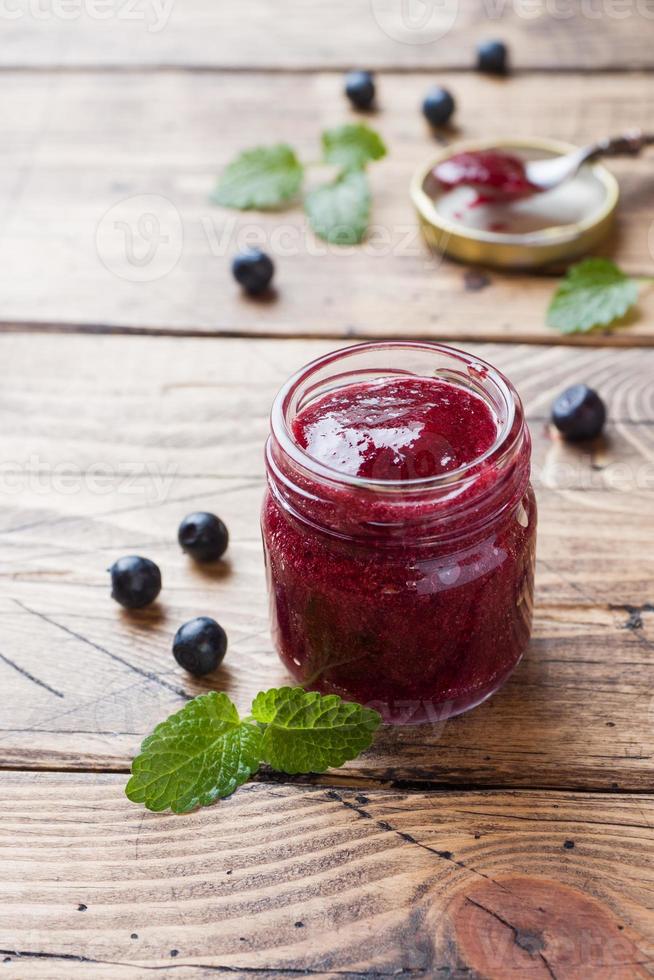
195,757
352,146
264,177
594,293
339,212
309,732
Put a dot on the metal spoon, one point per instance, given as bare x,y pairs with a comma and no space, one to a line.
546,174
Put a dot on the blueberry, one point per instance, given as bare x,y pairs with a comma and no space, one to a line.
253,269
579,413
203,536
360,88
200,645
492,57
438,106
135,581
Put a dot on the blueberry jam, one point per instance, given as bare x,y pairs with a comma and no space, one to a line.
396,429
495,175
399,529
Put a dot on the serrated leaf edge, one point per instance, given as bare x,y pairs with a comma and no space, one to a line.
218,198
571,285
344,175
175,721
365,131
365,727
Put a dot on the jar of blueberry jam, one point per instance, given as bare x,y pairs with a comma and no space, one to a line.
399,528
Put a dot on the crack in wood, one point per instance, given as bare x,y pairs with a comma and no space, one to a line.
223,968
76,519
30,677
563,819
388,828
566,581
148,675
634,614
547,966
530,942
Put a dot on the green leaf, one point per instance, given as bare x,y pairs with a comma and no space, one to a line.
352,146
264,177
594,293
339,212
195,757
309,732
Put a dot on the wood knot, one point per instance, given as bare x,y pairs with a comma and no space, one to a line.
634,619
521,926
532,942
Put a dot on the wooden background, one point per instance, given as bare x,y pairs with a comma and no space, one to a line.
515,841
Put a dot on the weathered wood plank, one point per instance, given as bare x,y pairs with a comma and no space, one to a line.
577,713
107,442
84,152
300,880
297,34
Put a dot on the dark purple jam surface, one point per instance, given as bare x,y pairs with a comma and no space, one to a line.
498,176
396,428
391,608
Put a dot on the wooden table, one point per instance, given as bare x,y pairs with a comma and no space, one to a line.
515,841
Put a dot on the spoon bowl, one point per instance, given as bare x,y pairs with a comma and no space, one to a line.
544,175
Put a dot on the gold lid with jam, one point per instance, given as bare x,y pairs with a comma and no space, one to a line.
547,227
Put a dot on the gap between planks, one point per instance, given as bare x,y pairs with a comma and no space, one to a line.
358,781
115,68
599,341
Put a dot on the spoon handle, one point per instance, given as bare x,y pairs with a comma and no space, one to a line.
627,144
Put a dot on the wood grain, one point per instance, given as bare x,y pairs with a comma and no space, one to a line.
84,152
107,443
310,34
281,880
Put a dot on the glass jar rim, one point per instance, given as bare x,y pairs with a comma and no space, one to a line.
502,446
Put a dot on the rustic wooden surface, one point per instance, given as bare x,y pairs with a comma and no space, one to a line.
310,34
85,150
111,440
515,841
324,881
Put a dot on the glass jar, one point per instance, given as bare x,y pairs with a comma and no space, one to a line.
412,596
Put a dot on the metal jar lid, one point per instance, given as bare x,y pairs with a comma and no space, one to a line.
515,250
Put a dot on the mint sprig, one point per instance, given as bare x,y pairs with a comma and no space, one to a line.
269,177
264,177
594,293
206,751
